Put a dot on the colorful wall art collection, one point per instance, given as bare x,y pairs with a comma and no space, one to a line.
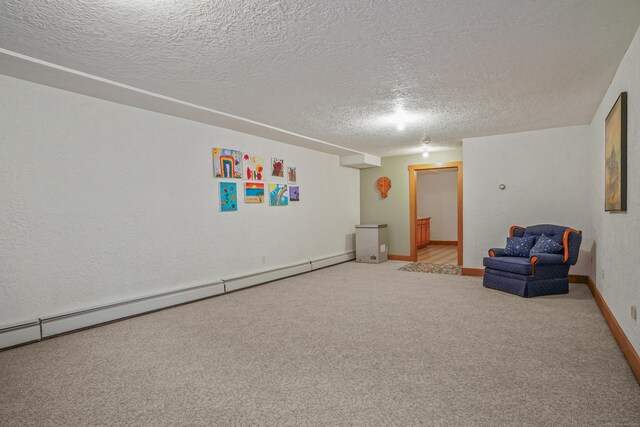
229,163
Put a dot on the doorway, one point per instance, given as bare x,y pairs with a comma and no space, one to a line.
436,235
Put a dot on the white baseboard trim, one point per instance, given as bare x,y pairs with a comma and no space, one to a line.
235,283
22,333
332,260
49,326
55,325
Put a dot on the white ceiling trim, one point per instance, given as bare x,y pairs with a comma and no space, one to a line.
24,67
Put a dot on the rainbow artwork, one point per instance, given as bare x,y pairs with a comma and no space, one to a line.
227,163
253,167
254,192
228,197
278,195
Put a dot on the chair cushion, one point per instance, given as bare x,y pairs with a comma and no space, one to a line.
519,246
554,232
546,245
515,276
516,265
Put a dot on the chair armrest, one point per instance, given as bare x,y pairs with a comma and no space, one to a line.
547,259
494,252
571,241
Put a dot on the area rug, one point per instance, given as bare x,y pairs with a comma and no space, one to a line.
425,267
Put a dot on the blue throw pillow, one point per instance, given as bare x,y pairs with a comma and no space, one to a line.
546,245
519,246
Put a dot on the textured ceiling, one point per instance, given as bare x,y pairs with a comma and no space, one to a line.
328,69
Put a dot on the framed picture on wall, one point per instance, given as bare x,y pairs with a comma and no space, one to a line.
291,174
277,167
278,195
294,193
227,163
228,197
615,157
254,192
254,167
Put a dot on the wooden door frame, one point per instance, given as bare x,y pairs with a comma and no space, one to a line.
413,203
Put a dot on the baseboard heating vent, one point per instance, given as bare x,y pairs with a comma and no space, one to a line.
259,277
20,333
55,325
332,260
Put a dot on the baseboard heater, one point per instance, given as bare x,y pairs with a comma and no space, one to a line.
55,325
235,283
332,260
257,278
22,333
49,326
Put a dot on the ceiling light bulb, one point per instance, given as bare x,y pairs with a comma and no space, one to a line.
425,154
400,119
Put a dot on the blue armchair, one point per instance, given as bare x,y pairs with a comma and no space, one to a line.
534,274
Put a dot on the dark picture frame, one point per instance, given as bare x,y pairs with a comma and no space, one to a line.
615,156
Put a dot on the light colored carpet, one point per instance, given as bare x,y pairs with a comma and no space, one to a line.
354,344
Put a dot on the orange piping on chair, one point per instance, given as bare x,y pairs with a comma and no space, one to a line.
492,253
565,242
534,259
513,227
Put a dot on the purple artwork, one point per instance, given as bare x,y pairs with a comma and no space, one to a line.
294,194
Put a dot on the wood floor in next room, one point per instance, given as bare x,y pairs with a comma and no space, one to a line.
439,254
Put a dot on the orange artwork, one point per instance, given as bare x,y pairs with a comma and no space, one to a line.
383,184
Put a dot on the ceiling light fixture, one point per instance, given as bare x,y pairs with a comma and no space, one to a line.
400,119
425,143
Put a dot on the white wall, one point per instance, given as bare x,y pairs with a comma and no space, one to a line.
617,235
437,197
103,202
546,181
